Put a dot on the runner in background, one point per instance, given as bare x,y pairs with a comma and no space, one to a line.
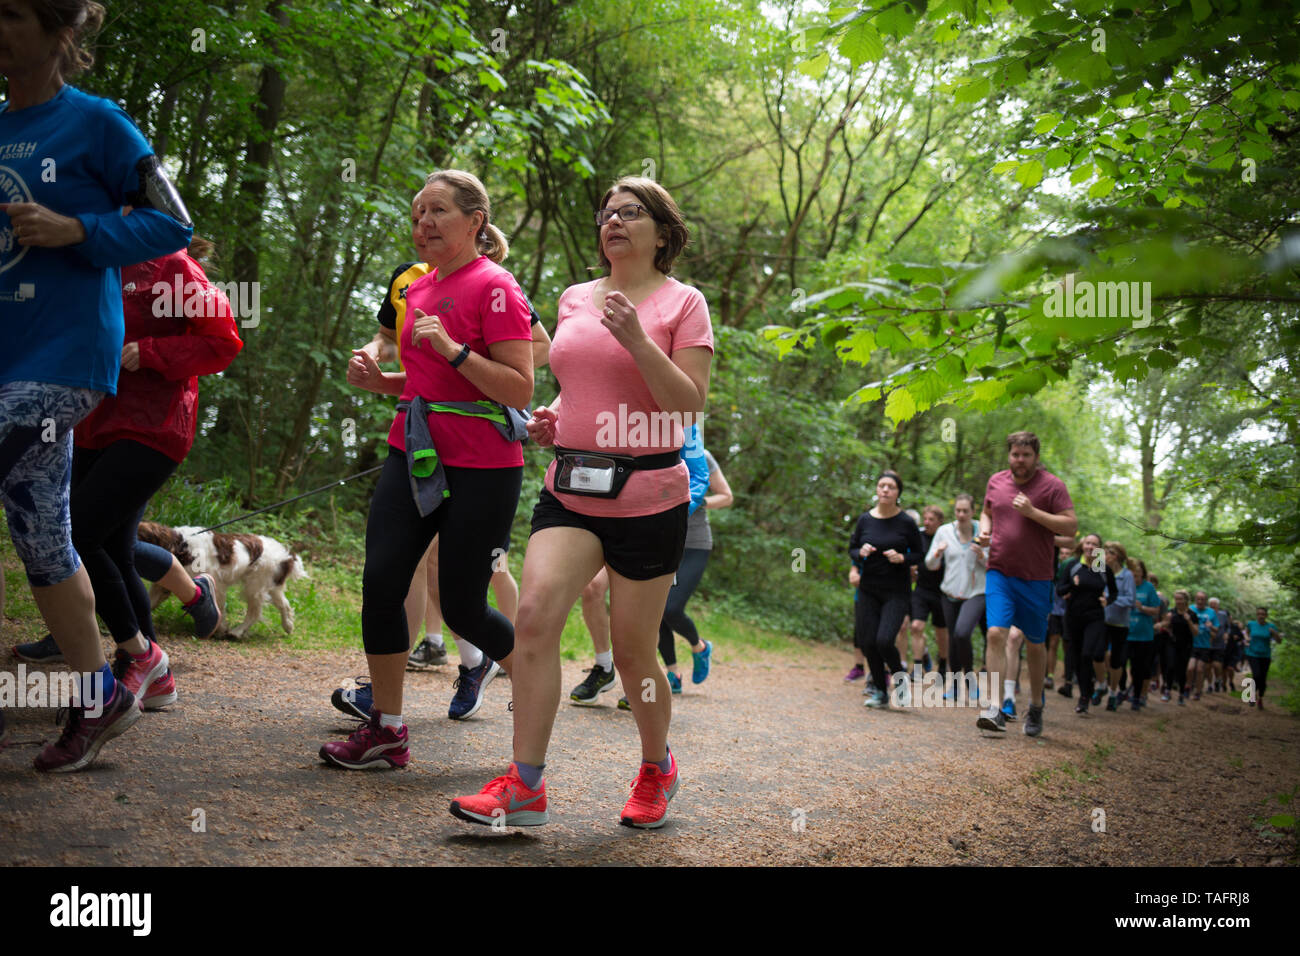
1202,644
1218,643
1161,677
1141,633
1118,613
1056,625
1182,624
962,588
927,598
1259,652
1086,593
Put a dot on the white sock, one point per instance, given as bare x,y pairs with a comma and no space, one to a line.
606,660
470,656
392,721
434,637
1008,690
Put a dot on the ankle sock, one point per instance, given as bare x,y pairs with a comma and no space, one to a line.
434,638
198,594
1008,690
606,660
530,775
391,721
95,694
470,656
665,765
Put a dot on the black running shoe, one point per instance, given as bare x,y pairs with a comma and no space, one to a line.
992,720
1081,708
596,682
427,654
44,651
1066,689
1034,722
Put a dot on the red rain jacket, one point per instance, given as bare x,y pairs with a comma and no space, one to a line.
157,405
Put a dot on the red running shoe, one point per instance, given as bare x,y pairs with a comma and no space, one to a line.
647,808
507,800
371,746
83,736
149,679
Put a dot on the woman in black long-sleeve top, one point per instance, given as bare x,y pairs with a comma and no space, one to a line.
1086,594
886,543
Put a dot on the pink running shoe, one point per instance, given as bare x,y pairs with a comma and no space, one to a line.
83,736
647,808
371,746
506,799
856,673
148,678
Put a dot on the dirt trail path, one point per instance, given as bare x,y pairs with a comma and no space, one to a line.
781,764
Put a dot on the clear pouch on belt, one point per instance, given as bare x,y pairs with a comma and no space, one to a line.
596,476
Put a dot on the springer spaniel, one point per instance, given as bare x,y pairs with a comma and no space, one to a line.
261,564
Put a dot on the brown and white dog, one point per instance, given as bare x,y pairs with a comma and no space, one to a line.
262,565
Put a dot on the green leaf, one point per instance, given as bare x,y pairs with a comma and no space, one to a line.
1030,174
1046,122
1101,188
859,347
1056,158
889,337
862,44
974,91
1083,172
900,406
1283,821
1006,166
815,67
1179,103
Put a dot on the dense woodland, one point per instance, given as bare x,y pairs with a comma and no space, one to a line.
881,200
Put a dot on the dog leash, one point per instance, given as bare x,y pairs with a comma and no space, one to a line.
305,494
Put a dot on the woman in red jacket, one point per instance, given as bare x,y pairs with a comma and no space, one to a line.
178,327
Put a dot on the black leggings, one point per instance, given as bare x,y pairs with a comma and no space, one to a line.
689,572
110,489
962,617
1141,654
1259,671
1117,637
1086,644
879,615
1182,654
473,521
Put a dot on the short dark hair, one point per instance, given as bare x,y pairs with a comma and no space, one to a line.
664,211
893,475
1028,439
965,496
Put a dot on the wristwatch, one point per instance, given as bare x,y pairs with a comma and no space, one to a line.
464,354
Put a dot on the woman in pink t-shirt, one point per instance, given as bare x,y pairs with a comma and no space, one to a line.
467,339
631,353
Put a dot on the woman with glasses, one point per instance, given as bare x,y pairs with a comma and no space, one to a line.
632,352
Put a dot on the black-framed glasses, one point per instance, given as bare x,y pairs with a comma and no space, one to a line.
627,213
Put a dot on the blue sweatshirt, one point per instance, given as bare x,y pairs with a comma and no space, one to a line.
61,309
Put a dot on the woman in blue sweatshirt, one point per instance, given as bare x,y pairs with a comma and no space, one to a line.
69,162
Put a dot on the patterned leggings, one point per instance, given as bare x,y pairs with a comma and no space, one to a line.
36,422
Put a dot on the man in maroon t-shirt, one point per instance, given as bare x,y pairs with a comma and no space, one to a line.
1025,510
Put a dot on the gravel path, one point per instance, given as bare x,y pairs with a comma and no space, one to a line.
781,764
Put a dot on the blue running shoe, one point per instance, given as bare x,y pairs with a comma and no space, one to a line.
354,701
675,682
1009,709
700,668
469,689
